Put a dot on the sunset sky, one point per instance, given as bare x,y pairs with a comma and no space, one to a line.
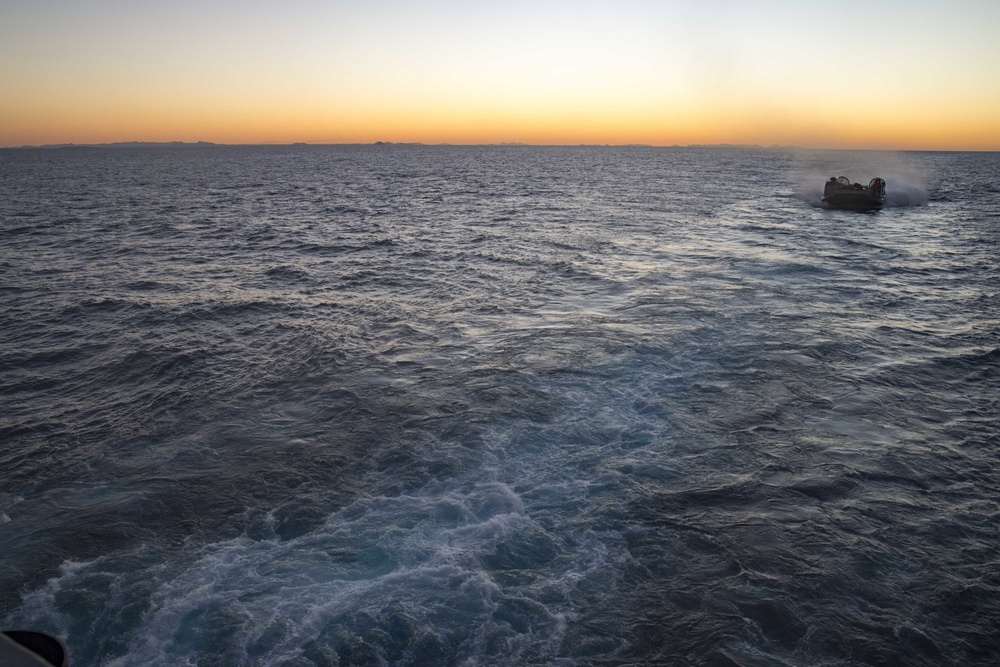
890,74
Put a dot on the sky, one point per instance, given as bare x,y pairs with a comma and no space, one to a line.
832,74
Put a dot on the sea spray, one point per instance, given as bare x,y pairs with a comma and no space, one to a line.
906,178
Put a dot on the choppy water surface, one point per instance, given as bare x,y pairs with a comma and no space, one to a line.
499,406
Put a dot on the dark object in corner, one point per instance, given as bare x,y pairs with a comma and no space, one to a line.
28,648
841,193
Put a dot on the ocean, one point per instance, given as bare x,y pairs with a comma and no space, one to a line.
499,405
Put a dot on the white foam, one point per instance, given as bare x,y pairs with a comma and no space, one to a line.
267,600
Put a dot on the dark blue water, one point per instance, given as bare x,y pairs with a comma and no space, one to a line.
400,405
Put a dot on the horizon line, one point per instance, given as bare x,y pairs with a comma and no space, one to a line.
513,144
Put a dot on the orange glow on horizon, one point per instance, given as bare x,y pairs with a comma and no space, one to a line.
101,122
642,73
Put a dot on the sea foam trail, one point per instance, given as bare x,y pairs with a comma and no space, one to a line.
409,570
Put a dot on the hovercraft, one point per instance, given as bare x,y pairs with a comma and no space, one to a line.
841,193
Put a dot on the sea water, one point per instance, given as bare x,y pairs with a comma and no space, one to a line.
430,405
